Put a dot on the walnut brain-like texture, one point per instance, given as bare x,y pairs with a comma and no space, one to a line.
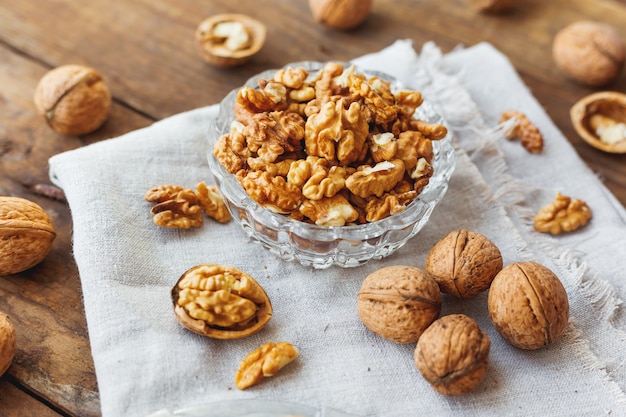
331,147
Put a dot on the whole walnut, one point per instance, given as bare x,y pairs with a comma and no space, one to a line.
73,99
399,302
528,305
453,354
340,14
493,6
463,263
7,343
589,52
26,234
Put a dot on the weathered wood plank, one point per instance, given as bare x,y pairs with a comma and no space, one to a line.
16,403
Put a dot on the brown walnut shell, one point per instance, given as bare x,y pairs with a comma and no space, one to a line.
596,112
221,302
8,345
493,6
528,305
340,14
26,234
213,47
73,99
589,52
453,354
464,263
399,303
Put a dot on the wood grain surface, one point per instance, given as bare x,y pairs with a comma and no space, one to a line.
146,51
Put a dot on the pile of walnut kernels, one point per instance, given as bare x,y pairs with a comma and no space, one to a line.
332,148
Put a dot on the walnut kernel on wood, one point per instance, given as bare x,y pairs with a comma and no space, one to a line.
563,214
453,354
220,302
264,361
529,135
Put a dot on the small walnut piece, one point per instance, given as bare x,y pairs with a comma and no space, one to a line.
73,99
212,202
264,361
26,234
228,40
529,135
562,215
220,302
600,120
176,207
453,354
8,344
493,6
399,302
340,14
589,52
528,305
464,263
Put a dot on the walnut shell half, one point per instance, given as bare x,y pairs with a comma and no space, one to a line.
399,303
600,120
464,263
26,234
220,302
528,305
453,354
229,39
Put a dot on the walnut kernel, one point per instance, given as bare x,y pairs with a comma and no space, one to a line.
453,354
399,302
589,52
26,234
562,215
528,133
463,263
8,344
264,361
528,305
73,99
220,302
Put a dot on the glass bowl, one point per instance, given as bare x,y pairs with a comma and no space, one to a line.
324,246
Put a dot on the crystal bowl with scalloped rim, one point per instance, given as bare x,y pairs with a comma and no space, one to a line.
325,246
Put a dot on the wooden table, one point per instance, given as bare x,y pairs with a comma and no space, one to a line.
146,51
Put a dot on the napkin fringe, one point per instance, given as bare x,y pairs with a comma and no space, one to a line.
463,114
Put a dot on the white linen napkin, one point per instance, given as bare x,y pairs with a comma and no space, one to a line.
145,361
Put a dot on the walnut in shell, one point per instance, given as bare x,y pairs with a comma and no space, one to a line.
528,305
600,120
399,302
340,14
589,52
463,263
493,6
26,234
453,354
73,99
230,39
220,302
8,344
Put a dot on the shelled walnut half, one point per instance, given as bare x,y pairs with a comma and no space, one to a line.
220,302
230,39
